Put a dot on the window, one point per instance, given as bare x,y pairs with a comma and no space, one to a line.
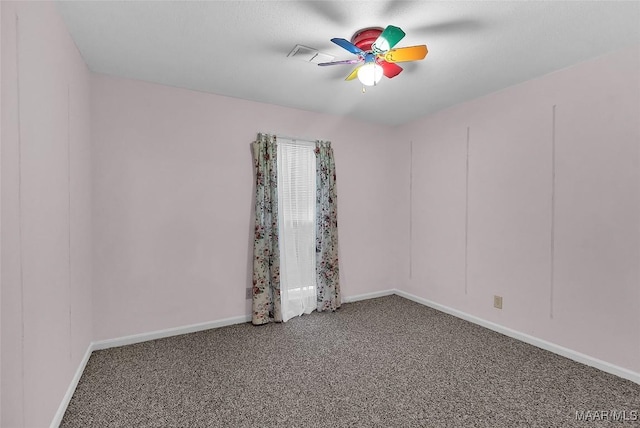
296,218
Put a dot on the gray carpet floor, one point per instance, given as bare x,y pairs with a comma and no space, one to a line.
386,362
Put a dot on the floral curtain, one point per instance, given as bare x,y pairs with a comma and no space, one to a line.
266,254
327,272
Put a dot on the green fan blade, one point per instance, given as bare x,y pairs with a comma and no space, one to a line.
388,39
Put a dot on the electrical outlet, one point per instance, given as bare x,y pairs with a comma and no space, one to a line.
249,293
497,302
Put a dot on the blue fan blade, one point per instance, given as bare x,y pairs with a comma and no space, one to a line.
345,44
346,61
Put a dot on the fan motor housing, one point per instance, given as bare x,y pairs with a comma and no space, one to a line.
364,38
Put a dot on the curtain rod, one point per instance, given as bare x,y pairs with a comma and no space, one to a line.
296,140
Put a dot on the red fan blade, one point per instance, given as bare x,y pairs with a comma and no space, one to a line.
390,69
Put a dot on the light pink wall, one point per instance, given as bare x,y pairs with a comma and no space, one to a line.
46,207
592,306
165,189
0,213
173,197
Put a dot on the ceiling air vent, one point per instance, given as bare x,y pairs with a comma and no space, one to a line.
308,54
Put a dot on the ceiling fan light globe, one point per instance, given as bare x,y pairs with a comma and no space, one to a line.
370,74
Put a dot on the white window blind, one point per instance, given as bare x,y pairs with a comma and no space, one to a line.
296,217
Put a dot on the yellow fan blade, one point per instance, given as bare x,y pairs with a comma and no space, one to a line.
411,53
353,74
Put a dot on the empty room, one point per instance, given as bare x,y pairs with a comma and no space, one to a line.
319,214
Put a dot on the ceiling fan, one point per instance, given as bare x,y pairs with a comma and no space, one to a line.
376,54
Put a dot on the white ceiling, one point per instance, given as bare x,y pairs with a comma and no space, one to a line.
239,48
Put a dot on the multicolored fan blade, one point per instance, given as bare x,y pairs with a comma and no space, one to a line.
345,44
410,53
390,69
353,74
346,61
388,39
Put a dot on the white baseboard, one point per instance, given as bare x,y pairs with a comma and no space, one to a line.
129,340
540,343
366,296
159,334
175,331
57,419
